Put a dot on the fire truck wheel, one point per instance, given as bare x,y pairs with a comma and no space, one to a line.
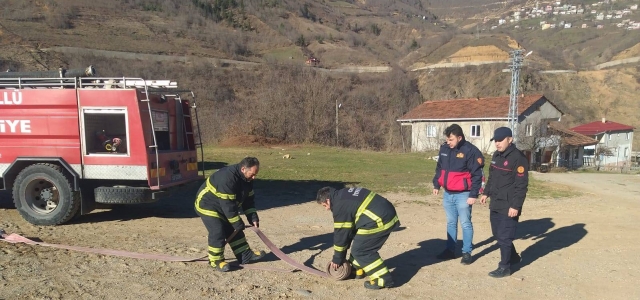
43,195
123,195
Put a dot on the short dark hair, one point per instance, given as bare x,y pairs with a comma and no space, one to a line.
249,162
454,129
323,195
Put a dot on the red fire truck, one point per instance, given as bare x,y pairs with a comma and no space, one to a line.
69,140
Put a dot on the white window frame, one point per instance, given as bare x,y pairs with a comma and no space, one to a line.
478,134
429,128
105,110
528,130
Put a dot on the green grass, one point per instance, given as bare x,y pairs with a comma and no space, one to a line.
539,189
379,171
285,53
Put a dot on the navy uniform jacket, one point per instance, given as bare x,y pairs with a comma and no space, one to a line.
459,169
508,180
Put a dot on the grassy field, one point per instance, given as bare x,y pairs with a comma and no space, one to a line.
311,167
284,54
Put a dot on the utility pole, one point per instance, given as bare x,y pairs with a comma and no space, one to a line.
337,122
516,64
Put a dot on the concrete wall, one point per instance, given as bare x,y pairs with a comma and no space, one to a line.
425,139
422,140
617,142
539,117
533,127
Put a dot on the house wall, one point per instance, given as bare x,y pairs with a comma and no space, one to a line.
539,118
619,142
422,141
572,157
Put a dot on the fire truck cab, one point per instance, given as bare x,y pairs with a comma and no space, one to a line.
69,141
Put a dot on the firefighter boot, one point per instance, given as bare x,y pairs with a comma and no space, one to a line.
359,274
376,284
250,256
220,265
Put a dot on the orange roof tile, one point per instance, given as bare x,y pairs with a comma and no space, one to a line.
472,108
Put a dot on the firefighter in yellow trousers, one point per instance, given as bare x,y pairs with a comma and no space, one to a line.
218,203
367,219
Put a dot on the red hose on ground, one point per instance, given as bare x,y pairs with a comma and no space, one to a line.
345,269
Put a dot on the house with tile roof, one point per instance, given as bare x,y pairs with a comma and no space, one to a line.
615,141
570,153
479,117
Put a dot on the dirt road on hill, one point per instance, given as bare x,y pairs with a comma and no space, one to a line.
580,248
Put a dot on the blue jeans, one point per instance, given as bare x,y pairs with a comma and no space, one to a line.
456,207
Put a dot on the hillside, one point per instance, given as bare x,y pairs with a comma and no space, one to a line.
583,97
235,53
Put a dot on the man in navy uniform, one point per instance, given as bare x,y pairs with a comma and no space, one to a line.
507,187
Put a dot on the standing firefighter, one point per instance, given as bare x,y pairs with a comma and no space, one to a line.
367,219
218,203
507,186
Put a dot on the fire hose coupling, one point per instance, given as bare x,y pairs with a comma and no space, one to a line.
174,164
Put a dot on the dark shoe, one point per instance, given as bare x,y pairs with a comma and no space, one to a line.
500,272
373,284
359,274
257,255
446,254
220,266
250,256
466,259
515,259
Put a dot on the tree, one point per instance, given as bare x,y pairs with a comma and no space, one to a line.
301,41
536,135
375,29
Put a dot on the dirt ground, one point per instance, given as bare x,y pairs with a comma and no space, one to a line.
580,248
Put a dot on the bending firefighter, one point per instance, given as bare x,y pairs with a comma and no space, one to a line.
218,203
367,219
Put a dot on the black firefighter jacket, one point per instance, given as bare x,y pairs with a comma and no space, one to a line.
362,212
230,191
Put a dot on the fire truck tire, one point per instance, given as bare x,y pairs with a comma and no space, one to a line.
123,195
43,195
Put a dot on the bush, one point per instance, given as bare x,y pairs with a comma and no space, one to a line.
61,17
